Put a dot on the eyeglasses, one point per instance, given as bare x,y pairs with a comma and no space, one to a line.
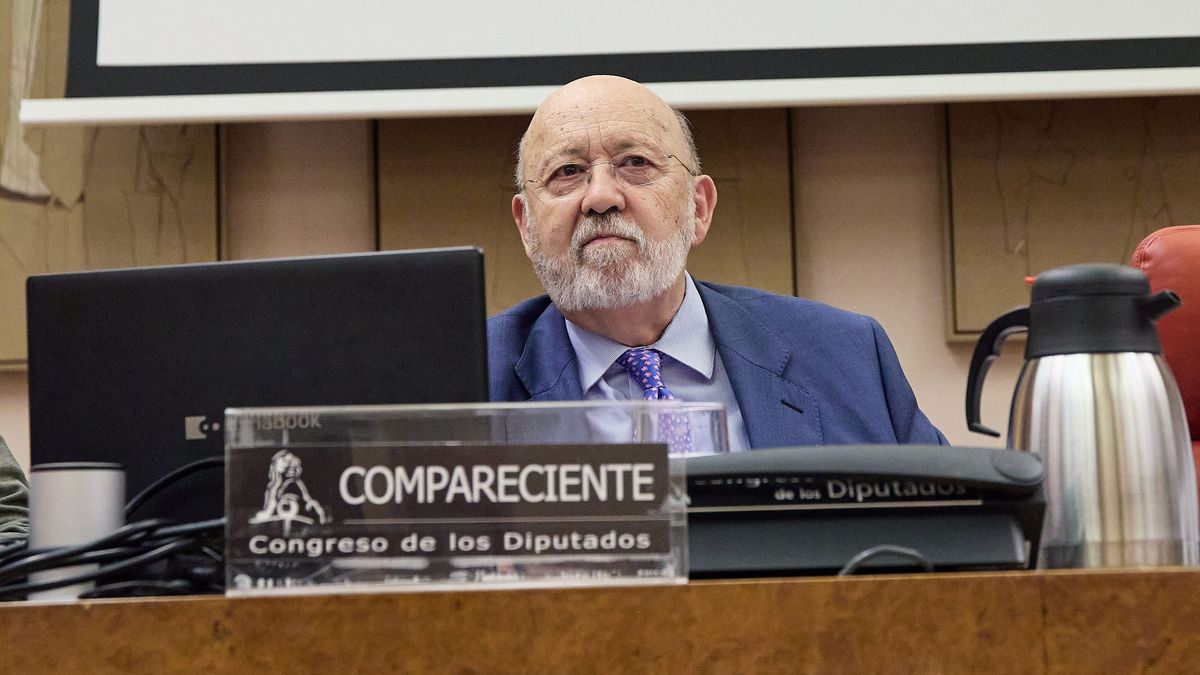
630,170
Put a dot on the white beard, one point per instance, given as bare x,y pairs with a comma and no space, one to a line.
612,276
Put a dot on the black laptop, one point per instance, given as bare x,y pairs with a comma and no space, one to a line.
137,366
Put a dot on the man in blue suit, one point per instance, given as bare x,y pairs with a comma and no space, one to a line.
610,202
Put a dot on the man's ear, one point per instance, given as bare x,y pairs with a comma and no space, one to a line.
520,217
706,202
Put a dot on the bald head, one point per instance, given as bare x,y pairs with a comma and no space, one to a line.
590,104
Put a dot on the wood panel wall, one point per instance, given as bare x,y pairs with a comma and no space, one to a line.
1039,184
87,198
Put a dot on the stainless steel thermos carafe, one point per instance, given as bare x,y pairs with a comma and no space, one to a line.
1096,400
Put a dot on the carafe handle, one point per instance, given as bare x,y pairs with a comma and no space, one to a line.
986,351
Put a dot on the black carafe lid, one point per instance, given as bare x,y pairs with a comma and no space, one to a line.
1095,308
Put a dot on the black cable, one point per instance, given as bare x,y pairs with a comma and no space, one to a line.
37,558
139,588
216,525
158,485
41,559
94,557
214,555
13,551
912,554
133,546
137,561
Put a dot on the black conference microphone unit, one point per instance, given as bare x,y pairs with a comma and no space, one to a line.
877,508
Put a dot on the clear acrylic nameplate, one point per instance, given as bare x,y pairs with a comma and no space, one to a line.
354,499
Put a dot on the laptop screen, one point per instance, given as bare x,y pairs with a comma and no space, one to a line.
137,366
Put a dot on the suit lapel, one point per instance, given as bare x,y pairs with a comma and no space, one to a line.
547,366
776,411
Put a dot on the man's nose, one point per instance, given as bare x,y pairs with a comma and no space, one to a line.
603,192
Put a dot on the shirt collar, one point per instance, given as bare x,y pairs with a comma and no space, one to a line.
687,340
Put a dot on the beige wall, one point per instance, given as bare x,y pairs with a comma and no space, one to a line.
297,188
14,414
870,218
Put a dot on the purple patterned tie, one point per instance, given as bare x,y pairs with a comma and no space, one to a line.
645,366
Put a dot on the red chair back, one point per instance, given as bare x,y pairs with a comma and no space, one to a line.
1170,258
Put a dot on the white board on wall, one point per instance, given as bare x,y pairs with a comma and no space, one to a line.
180,60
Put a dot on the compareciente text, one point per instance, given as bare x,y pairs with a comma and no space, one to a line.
501,484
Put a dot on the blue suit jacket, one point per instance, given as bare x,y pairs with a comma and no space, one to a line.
803,373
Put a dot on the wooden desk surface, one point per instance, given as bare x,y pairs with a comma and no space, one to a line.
1043,622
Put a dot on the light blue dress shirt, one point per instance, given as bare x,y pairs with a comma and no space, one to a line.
692,369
